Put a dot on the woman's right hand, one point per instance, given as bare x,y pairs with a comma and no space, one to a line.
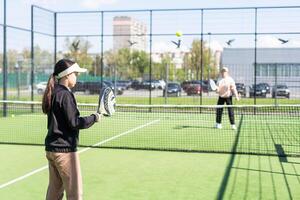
97,116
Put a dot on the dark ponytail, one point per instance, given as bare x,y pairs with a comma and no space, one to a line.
46,104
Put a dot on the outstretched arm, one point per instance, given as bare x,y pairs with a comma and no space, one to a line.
234,91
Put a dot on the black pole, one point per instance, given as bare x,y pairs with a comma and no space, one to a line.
209,56
166,86
201,59
55,37
115,84
255,56
101,60
32,58
4,61
150,59
32,54
17,71
275,87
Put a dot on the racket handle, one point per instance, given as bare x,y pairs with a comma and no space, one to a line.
97,116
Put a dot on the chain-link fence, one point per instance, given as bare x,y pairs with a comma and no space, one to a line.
163,56
27,54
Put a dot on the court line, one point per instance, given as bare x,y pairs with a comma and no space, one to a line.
117,136
81,151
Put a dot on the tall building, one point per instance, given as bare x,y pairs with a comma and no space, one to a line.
129,33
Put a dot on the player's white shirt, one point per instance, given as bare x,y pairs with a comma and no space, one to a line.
226,86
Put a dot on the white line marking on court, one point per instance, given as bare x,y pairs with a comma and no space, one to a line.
117,136
23,177
81,151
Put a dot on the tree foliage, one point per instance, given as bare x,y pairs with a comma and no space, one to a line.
129,64
192,62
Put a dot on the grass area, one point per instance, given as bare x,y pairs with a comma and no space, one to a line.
128,174
169,131
138,174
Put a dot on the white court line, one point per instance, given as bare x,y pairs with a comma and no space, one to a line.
121,134
81,151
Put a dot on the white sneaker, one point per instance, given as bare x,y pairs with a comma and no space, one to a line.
218,126
233,126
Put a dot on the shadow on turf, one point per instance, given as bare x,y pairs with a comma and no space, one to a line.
276,174
224,183
284,164
266,171
199,127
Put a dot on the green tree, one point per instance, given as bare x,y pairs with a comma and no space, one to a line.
129,64
97,66
158,71
122,63
109,63
167,68
192,61
11,57
140,63
180,75
43,59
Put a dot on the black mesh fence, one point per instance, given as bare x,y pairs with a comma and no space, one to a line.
163,56
263,130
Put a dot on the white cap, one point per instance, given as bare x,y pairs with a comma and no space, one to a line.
73,68
224,69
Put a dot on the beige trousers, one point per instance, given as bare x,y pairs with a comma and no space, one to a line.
64,175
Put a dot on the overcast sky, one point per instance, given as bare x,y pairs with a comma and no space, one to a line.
18,14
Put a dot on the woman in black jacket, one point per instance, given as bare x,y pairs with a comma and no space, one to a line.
64,122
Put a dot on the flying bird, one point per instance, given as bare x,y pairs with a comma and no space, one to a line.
131,43
283,41
177,43
75,45
229,42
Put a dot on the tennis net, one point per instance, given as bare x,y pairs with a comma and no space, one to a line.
263,129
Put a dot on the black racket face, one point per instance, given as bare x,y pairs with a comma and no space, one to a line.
107,101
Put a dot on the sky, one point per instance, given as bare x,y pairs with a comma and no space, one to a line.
19,10
61,5
18,14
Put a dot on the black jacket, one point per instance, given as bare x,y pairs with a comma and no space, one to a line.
64,121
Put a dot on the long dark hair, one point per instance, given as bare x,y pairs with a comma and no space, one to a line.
60,66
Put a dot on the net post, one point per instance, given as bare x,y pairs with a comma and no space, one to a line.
101,59
201,59
4,62
32,57
166,86
255,55
276,103
150,59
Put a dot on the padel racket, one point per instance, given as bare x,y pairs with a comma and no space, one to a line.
213,85
107,102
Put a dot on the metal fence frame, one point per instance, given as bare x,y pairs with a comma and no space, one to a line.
150,35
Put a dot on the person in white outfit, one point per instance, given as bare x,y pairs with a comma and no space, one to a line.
225,88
